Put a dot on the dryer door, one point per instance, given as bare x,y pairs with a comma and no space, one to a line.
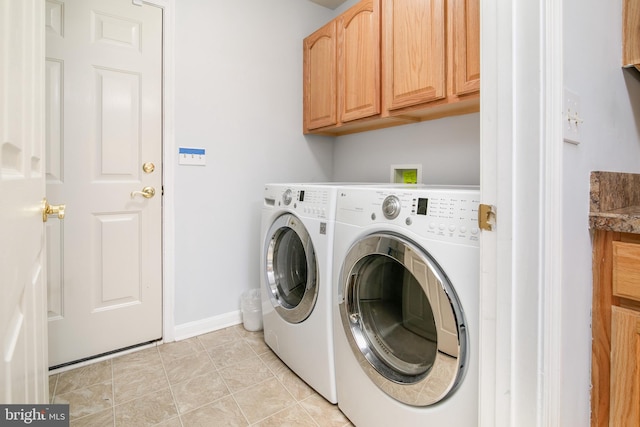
402,315
291,269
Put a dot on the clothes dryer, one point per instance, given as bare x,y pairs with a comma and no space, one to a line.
296,267
405,310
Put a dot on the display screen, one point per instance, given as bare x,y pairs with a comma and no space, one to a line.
422,206
302,195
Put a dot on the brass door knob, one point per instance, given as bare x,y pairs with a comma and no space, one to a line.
148,167
48,209
147,193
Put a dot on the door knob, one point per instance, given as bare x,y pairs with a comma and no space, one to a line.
48,209
148,167
147,193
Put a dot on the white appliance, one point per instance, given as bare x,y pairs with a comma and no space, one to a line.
406,272
296,268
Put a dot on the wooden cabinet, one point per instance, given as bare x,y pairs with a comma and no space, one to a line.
359,61
320,78
631,33
431,52
625,367
464,34
398,61
615,397
341,68
414,52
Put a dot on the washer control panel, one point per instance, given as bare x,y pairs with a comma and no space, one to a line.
308,201
442,213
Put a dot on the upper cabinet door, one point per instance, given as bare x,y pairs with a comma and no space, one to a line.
631,33
465,39
320,78
414,52
359,61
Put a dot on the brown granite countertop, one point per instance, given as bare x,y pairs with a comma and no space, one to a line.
615,202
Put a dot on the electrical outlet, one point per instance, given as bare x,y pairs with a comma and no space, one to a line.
571,119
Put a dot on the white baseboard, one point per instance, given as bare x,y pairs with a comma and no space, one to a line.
203,326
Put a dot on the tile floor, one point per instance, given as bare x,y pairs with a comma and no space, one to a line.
225,378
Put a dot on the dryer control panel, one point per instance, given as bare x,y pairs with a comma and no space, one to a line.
311,201
441,213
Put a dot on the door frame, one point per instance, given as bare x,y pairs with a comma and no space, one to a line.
169,160
521,175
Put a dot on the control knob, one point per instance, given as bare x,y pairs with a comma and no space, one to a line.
287,196
391,207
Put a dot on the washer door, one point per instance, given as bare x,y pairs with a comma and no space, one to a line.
401,314
290,267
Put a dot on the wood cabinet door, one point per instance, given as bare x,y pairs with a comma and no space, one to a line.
464,36
414,52
320,78
625,367
359,61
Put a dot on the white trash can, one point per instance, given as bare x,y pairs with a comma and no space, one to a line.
251,307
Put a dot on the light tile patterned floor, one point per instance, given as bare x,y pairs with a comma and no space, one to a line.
225,378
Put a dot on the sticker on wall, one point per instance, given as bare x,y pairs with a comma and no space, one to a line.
192,156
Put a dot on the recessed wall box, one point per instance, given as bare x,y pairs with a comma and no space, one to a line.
406,174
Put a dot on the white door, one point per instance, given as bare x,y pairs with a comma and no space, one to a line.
104,122
23,321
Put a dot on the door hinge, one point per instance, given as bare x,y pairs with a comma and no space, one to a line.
137,2
486,217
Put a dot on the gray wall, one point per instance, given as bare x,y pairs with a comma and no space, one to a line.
238,94
448,150
610,98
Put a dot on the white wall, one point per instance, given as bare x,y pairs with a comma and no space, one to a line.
448,150
610,99
238,94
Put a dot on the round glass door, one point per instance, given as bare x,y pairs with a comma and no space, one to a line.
291,269
401,314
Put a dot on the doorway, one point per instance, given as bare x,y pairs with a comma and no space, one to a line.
104,160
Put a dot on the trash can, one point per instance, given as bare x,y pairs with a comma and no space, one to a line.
251,307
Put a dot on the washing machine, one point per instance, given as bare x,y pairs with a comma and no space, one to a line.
406,277
296,267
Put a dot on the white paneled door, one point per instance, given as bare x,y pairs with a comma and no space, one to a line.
104,159
23,321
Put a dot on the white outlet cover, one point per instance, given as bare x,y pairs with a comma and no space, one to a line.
571,118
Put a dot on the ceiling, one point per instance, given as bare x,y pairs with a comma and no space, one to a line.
331,4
